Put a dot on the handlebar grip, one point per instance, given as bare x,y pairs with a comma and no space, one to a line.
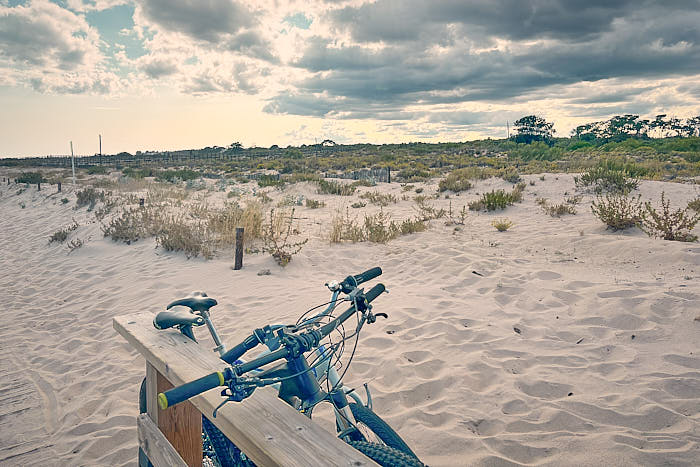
368,275
182,393
237,352
350,282
375,292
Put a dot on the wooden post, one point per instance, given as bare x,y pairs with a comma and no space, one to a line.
238,264
388,174
38,186
141,202
59,187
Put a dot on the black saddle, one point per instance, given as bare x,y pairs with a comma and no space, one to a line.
169,319
197,301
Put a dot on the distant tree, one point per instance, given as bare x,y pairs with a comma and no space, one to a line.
533,128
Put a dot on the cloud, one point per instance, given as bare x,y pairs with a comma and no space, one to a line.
52,49
206,21
400,54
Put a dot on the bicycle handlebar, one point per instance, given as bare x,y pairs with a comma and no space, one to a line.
237,352
222,378
182,393
351,282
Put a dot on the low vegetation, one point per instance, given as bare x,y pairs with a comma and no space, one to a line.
89,197
498,199
377,228
31,177
603,179
669,225
331,187
618,212
502,224
314,204
378,198
276,237
61,235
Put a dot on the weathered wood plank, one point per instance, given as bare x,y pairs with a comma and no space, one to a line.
182,426
159,451
269,431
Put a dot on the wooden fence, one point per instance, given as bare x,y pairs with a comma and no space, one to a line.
266,429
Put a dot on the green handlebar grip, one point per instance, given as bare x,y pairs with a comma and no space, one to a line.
182,393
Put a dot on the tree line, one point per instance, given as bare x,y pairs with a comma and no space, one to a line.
533,128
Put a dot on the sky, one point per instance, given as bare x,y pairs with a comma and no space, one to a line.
185,74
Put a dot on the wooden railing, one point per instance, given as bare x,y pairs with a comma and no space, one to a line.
266,429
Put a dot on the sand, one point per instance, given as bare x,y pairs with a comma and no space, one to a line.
555,343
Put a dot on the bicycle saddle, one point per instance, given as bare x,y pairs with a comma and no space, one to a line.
168,319
197,301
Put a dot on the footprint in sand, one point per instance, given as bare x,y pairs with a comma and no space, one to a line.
547,275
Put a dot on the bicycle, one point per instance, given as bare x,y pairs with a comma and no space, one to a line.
303,358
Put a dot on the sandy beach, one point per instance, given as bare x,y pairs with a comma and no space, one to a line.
557,342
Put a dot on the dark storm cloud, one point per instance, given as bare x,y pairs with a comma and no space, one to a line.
438,52
206,21
405,20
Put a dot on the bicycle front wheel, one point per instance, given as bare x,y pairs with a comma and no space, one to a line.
370,425
385,455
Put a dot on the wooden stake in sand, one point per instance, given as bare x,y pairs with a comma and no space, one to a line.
72,161
238,263
59,187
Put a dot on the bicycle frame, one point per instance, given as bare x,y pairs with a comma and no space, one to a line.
307,382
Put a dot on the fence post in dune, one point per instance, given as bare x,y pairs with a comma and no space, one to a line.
59,187
142,201
38,186
238,263
388,174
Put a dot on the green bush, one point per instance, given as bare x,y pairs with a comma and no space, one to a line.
378,198
270,180
31,177
502,224
89,197
459,180
498,199
618,212
604,179
669,225
510,174
331,187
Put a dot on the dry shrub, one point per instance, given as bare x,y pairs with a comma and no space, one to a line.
276,239
618,212
558,210
669,225
134,224
61,235
606,179
426,211
502,224
331,187
314,204
378,198
377,228
192,238
223,223
88,197
343,227
509,174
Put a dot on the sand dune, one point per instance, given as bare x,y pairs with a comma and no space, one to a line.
554,343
